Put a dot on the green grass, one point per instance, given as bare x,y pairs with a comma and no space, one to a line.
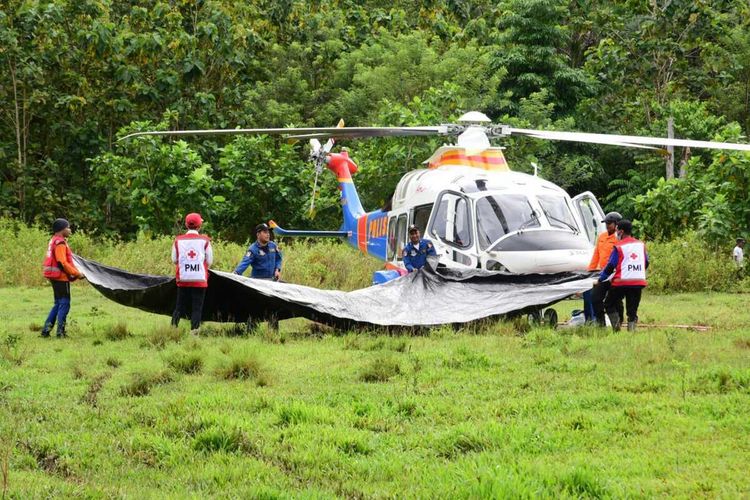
478,412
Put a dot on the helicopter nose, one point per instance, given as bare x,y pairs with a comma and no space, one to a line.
542,252
534,241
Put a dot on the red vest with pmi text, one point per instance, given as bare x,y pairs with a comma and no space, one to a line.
631,263
191,268
51,268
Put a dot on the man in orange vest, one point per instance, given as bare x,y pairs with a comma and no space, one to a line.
628,262
192,255
59,269
603,249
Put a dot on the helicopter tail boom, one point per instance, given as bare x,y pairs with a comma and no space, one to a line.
309,233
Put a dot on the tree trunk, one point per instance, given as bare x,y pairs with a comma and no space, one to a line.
683,162
670,149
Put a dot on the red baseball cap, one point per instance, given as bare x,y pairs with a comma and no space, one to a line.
193,221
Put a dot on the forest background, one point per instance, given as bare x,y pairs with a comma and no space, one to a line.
76,75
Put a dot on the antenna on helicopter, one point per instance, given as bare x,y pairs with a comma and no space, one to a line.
536,169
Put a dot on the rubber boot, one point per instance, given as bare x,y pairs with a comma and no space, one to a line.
614,318
46,330
631,326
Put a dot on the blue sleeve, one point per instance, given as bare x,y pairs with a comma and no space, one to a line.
610,267
407,260
278,258
245,262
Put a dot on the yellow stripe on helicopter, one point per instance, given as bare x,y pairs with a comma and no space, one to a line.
489,159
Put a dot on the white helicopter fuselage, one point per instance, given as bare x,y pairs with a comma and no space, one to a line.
495,220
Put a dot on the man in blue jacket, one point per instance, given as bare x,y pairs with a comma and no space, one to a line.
416,251
264,256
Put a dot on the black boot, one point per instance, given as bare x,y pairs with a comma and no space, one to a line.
614,318
61,333
46,330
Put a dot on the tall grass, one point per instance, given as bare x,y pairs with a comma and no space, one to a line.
321,264
683,265
690,265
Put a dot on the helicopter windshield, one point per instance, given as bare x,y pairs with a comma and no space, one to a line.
498,215
557,211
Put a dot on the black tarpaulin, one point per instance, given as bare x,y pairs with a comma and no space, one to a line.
424,298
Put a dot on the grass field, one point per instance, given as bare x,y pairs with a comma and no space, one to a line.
124,408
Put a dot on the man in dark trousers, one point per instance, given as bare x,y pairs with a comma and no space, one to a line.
602,251
265,258
59,269
628,262
263,255
192,255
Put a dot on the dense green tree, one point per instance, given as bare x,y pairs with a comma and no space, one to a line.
74,75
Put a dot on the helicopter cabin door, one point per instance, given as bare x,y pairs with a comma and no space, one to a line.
591,214
451,226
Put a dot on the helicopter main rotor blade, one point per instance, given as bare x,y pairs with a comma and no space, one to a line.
626,140
306,132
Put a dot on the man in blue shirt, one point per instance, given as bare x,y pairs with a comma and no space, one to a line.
263,255
416,251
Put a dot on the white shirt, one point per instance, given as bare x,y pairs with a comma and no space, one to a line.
738,255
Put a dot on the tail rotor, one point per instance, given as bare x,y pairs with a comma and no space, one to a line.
319,157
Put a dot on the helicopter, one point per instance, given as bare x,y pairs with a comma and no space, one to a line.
478,213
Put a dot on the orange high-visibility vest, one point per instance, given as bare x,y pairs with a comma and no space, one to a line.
51,268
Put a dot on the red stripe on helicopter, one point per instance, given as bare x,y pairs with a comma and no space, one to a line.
362,233
487,160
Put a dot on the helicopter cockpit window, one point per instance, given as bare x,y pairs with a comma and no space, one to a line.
499,215
452,223
557,211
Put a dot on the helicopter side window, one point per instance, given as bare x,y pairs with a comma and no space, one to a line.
392,238
452,222
420,216
557,211
400,236
590,219
501,214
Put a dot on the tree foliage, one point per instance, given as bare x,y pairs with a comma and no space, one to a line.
75,76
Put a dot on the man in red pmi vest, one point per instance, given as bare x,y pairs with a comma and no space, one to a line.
192,255
629,262
59,269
